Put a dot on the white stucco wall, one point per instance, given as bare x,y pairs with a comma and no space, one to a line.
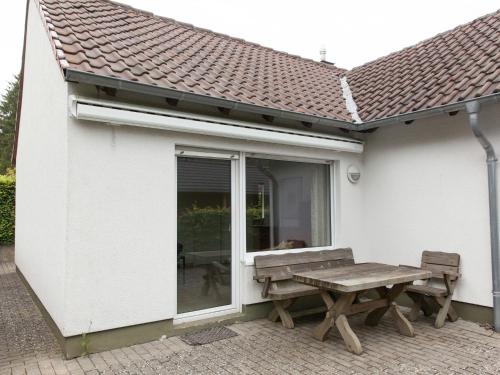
426,188
96,206
122,248
121,258
41,172
423,187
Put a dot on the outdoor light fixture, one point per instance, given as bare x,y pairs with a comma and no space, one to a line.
353,174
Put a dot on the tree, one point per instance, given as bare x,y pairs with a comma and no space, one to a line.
8,111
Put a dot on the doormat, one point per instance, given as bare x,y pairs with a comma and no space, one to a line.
206,336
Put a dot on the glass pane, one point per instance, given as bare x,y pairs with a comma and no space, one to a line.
288,204
203,233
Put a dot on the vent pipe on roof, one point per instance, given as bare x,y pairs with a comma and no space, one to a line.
322,54
491,162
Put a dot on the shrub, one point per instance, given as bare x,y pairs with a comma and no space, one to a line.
208,228
204,228
7,207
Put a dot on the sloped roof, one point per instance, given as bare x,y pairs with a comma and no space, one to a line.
457,65
114,40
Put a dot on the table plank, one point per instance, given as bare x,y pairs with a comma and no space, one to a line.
360,276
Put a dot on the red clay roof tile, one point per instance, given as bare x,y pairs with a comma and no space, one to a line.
107,38
457,65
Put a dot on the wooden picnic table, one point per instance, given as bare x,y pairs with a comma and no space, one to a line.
348,282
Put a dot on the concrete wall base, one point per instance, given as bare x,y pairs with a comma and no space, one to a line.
466,311
95,342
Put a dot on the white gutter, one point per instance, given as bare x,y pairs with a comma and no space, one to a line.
118,114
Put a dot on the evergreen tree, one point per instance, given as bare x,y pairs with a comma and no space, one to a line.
8,110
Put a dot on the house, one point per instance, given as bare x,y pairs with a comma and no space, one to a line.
155,159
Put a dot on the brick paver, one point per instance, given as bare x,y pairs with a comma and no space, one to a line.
25,338
262,347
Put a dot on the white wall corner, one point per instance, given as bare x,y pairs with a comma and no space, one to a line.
42,162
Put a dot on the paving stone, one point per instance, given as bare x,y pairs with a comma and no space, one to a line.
19,370
33,370
262,347
24,334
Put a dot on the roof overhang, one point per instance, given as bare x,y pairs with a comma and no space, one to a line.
428,112
136,87
72,75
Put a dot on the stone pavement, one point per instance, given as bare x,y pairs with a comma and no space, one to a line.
6,254
24,335
262,347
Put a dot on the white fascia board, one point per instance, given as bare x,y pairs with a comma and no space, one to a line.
119,114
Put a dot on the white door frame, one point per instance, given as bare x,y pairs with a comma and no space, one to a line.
235,306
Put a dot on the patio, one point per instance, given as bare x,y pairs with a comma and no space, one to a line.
261,347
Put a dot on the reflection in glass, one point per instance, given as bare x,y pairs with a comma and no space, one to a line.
203,233
287,204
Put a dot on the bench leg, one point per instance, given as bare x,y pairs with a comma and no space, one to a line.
423,305
280,310
429,305
416,307
274,315
452,314
445,304
402,324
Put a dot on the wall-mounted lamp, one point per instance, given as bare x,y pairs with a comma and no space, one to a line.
353,174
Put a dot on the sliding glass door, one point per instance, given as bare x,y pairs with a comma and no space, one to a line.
204,233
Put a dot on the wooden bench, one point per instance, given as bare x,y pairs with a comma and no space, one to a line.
445,269
276,272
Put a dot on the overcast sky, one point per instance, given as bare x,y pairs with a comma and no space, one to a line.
353,31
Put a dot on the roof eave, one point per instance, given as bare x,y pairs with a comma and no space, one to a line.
78,76
427,112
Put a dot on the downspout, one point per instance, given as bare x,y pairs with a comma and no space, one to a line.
491,162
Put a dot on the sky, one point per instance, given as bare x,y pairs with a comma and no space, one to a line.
352,31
